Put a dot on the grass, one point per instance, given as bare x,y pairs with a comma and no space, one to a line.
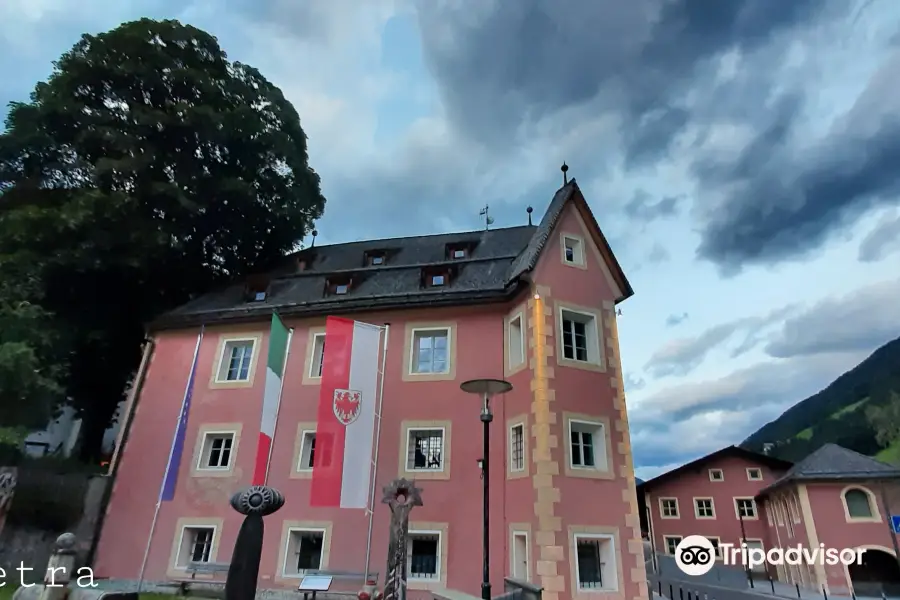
6,592
805,434
891,454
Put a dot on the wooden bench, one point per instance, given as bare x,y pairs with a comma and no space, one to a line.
201,568
335,576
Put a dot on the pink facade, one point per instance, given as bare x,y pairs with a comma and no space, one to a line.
725,481
548,500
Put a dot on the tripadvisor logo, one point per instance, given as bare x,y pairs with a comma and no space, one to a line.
696,555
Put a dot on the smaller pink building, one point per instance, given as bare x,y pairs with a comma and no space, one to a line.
713,496
838,499
834,498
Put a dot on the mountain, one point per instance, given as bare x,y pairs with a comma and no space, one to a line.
840,413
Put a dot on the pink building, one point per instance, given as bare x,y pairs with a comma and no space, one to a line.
711,496
841,499
834,497
532,304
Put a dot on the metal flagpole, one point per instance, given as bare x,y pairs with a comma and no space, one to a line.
187,390
387,329
287,352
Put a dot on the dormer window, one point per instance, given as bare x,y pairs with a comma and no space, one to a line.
259,296
436,277
437,280
459,251
257,289
377,260
339,286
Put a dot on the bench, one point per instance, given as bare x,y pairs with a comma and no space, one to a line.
201,568
335,576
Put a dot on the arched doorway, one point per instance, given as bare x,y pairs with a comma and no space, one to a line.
879,572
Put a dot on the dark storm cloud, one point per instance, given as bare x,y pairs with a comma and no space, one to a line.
642,207
509,61
883,240
858,322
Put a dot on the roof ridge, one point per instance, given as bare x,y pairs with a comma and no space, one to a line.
413,237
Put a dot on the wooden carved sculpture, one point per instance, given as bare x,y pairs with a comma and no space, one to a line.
401,495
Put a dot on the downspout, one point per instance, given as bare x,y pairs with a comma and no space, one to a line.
121,440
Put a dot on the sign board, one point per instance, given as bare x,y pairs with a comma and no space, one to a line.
895,523
315,583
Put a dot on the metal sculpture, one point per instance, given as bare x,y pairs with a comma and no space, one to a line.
254,503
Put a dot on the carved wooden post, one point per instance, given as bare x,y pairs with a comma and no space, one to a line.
255,503
401,495
59,568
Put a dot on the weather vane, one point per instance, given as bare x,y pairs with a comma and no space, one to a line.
488,220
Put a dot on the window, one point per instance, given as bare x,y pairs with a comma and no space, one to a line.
304,551
573,250
430,351
671,542
595,562
859,505
668,508
754,474
259,296
307,451
745,507
457,253
517,447
424,450
716,475
341,288
715,542
704,509
424,555
196,546
516,341
375,258
588,445
580,342
236,361
520,555
216,451
753,544
437,280
318,356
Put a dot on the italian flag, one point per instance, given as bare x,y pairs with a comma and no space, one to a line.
279,337
345,428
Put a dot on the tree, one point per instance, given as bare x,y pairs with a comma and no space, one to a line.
885,420
147,169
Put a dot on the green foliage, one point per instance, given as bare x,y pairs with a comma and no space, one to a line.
146,170
47,499
859,411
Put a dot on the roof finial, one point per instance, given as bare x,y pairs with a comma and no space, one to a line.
488,221
529,210
565,168
315,232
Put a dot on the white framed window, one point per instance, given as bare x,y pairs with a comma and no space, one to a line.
859,504
520,559
572,250
216,451
668,508
236,361
704,508
307,451
671,543
595,566
318,356
423,556
754,474
716,475
430,351
516,341
716,545
303,552
587,445
425,449
195,546
517,448
579,337
745,508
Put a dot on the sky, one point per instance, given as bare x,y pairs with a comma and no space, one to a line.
741,157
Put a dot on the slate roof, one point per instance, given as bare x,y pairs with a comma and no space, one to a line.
833,462
495,269
696,465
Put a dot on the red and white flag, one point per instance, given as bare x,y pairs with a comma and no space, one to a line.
345,429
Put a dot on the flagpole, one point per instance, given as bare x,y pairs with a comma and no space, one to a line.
187,389
287,352
387,329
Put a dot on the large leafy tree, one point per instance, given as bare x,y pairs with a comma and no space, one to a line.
145,170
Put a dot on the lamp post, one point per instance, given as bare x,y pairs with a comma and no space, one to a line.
486,388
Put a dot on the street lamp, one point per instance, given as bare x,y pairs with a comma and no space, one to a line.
486,388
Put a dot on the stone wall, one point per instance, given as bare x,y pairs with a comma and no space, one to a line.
30,546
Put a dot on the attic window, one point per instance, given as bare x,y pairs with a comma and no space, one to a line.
375,258
257,289
259,296
437,280
434,278
458,251
339,287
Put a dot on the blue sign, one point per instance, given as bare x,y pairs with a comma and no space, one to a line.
895,523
